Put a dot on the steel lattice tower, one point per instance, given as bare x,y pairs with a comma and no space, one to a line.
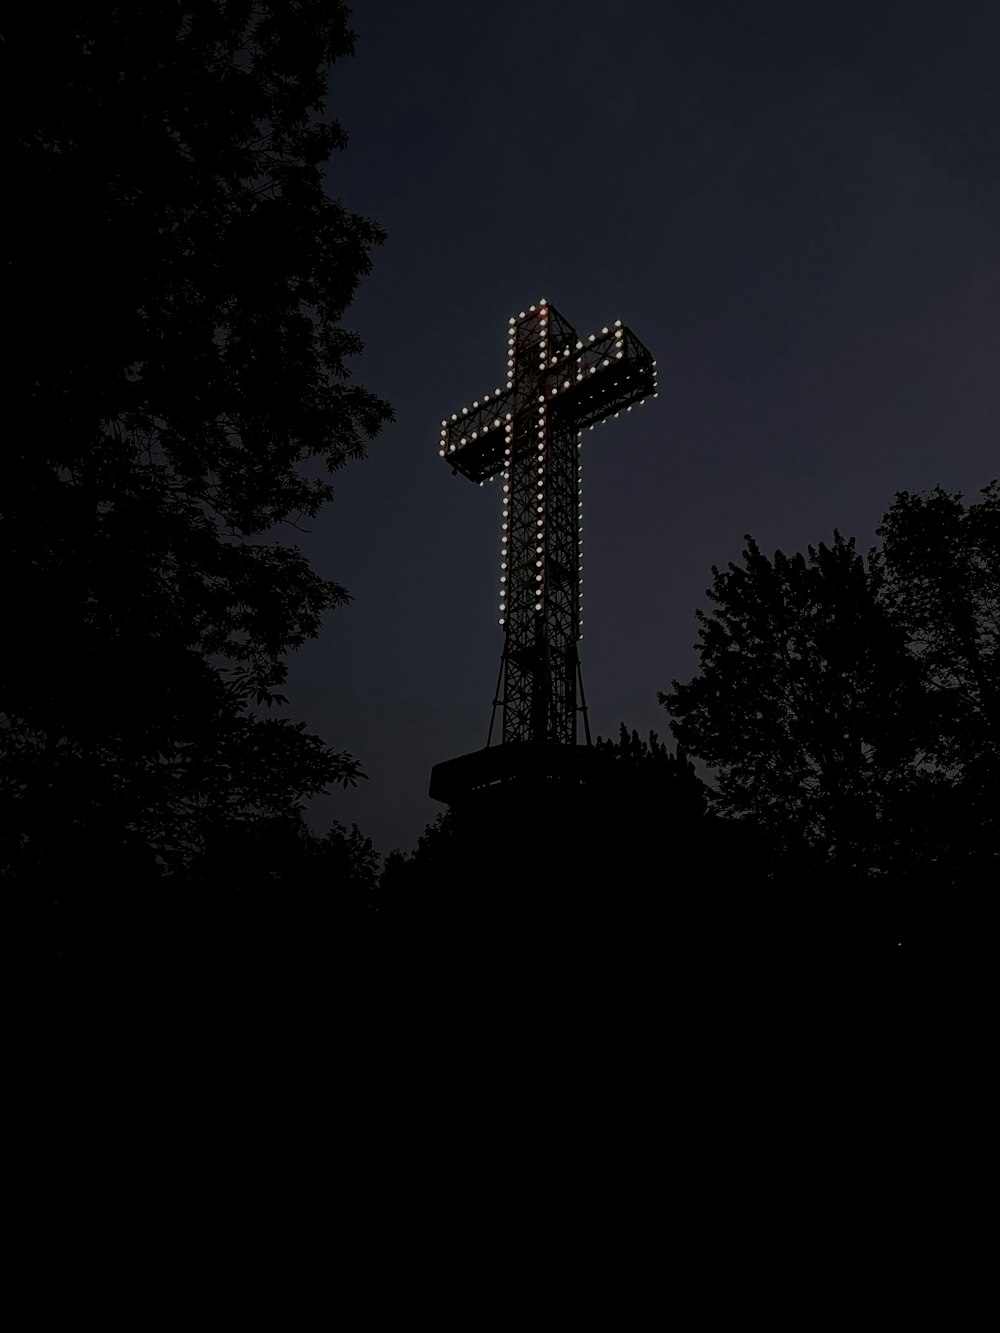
528,435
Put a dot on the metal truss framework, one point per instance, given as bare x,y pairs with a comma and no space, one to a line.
528,434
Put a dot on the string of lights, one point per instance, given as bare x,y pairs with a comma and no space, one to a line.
528,435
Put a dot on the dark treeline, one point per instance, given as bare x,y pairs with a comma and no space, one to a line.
182,387
846,714
849,709
181,284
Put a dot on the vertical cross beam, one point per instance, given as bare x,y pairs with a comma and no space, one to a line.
528,435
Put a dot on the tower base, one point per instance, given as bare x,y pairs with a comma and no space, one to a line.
517,768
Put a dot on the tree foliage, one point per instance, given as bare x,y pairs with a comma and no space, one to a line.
182,377
943,588
849,705
650,764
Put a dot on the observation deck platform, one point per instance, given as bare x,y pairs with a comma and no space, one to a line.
516,766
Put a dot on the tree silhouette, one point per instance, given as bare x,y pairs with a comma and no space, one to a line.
181,370
942,561
848,706
799,702
637,769
276,886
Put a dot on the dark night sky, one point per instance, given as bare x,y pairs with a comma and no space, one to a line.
796,206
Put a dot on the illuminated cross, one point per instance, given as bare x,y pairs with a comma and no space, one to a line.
528,434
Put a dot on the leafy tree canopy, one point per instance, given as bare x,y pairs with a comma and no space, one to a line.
182,384
849,705
943,588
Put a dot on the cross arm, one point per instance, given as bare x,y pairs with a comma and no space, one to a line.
608,373
473,440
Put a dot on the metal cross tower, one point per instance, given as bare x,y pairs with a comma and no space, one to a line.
529,435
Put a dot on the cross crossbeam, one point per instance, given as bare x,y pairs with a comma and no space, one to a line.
528,435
